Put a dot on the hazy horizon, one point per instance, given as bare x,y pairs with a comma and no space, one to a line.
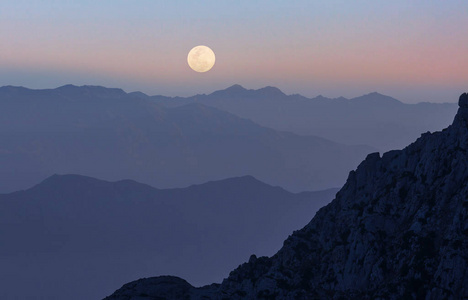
413,51
208,92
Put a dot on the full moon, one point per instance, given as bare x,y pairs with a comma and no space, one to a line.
201,58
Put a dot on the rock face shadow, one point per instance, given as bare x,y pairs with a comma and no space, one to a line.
397,229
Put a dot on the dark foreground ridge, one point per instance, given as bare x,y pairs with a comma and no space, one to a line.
398,229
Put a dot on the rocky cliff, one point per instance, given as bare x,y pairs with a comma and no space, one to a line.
398,229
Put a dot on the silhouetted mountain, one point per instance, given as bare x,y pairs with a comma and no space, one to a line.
237,91
373,119
376,98
396,230
76,237
109,134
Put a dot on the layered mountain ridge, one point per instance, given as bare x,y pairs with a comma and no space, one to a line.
78,237
373,119
398,229
112,135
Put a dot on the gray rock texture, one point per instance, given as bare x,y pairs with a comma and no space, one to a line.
398,229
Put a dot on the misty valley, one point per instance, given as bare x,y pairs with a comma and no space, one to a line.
101,187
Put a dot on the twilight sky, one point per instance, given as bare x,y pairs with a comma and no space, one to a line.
412,50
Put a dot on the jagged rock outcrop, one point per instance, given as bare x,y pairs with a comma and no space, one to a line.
398,229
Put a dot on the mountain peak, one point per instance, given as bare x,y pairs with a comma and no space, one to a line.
12,88
91,90
463,101
270,91
376,97
239,91
241,183
139,95
233,90
236,87
461,119
57,179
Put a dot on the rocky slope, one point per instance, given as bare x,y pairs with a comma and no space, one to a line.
398,229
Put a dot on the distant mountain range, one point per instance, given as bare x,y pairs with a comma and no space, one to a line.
373,119
109,134
76,237
398,229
